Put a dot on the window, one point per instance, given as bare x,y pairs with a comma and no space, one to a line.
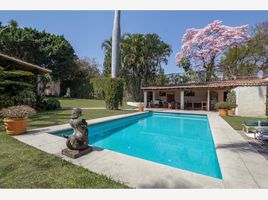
189,93
162,94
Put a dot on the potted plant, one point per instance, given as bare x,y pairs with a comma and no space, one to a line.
16,118
141,107
231,110
222,107
231,99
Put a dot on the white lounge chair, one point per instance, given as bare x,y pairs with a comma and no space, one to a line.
261,133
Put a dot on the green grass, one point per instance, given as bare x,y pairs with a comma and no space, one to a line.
81,103
50,118
236,121
22,166
85,103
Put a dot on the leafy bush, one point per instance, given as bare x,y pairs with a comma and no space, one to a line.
49,104
222,105
16,88
22,111
98,84
81,88
113,93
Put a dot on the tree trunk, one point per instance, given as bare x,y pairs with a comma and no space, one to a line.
116,44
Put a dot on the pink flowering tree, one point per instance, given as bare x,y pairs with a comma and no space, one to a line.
204,46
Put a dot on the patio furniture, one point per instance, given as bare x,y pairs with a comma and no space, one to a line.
261,133
203,105
171,105
165,104
253,125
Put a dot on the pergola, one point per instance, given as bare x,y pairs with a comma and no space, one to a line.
8,62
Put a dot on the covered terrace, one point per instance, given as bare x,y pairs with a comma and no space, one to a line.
193,96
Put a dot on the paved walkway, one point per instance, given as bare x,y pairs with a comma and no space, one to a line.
241,165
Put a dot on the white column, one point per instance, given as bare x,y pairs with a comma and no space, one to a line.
182,100
153,96
208,100
145,99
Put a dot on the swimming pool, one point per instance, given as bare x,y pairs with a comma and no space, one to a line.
183,141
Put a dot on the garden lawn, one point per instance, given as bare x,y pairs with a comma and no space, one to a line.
236,121
85,103
51,118
23,166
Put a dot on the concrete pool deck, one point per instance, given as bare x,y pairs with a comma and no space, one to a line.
241,165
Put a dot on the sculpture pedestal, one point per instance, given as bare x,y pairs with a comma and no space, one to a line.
76,153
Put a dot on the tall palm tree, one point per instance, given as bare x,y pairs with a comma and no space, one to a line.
116,44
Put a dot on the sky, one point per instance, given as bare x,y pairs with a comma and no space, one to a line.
86,30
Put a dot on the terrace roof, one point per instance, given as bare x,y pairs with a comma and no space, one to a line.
8,61
212,84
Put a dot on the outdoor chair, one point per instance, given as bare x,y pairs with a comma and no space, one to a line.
253,125
261,133
171,105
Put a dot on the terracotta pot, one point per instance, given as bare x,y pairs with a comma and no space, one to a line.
16,126
223,112
231,112
141,108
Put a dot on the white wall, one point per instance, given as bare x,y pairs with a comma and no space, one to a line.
251,101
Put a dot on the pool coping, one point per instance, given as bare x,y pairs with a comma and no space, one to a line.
241,165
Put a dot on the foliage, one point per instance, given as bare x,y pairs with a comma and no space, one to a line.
17,88
248,59
204,46
44,49
113,93
22,111
99,84
185,63
231,99
222,105
81,87
160,79
49,104
142,57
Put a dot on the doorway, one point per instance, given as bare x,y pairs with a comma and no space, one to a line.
213,100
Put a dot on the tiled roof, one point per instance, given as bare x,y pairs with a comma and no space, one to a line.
213,84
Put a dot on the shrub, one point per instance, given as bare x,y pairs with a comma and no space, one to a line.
222,105
113,93
16,88
52,104
49,104
98,84
81,88
22,111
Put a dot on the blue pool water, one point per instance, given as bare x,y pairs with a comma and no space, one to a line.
179,140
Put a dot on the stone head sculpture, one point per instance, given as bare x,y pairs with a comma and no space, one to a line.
76,113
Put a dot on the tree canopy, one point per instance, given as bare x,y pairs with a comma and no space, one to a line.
205,45
39,47
141,62
249,58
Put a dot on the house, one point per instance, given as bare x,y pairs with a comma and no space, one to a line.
251,95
